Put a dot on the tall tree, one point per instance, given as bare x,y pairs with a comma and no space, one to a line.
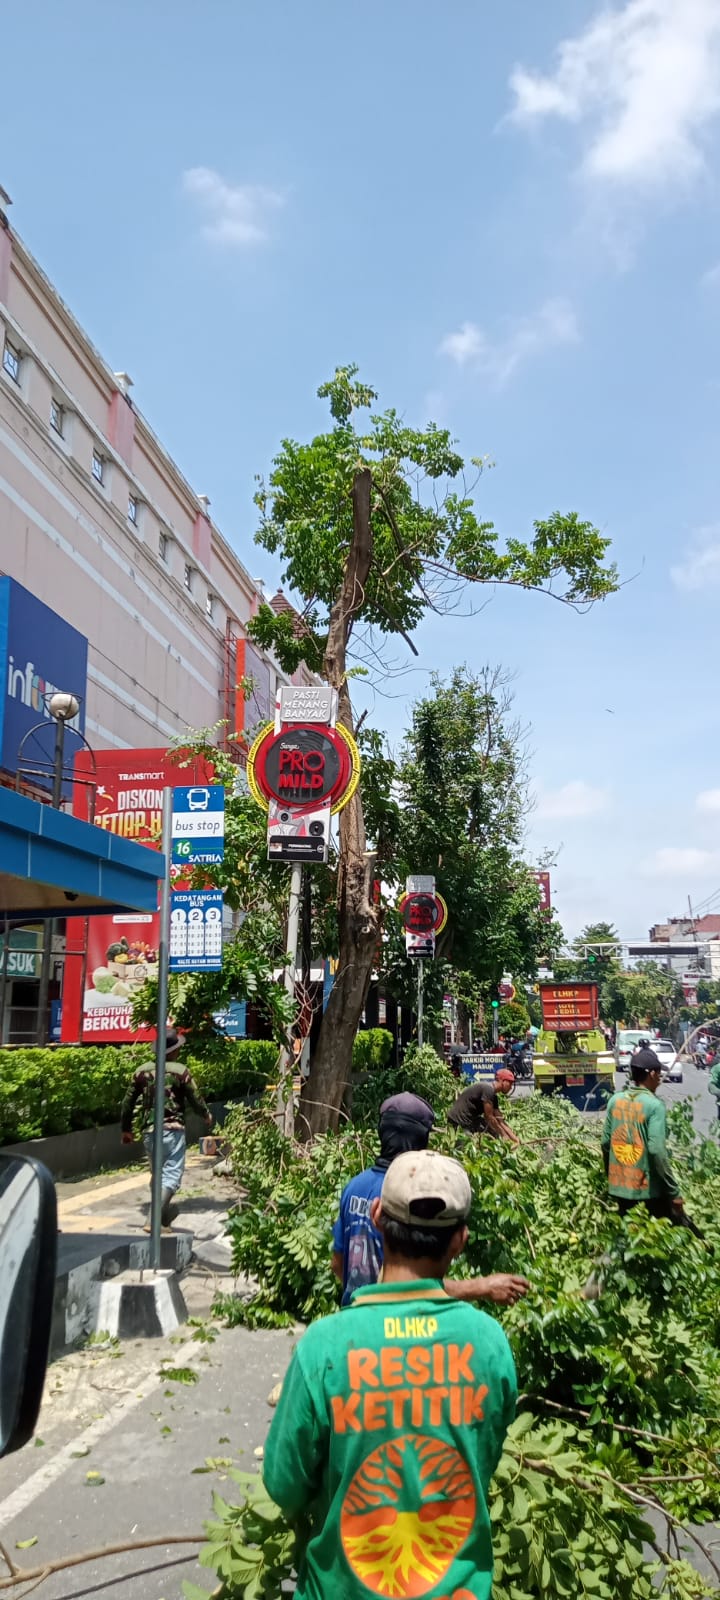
375,526
596,957
463,787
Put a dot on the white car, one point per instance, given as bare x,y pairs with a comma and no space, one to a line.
626,1044
669,1060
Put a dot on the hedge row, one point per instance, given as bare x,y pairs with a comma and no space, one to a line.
58,1091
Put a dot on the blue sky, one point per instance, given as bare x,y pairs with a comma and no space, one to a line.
508,215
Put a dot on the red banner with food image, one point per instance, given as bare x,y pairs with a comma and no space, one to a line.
122,950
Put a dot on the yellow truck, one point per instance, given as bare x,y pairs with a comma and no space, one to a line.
571,1055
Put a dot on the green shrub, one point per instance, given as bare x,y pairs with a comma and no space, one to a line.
372,1049
421,1070
44,1091
237,1067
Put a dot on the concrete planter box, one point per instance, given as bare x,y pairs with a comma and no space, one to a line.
73,1155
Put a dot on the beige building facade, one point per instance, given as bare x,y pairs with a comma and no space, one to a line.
98,522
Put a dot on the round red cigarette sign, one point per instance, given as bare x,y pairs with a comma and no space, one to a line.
303,765
423,913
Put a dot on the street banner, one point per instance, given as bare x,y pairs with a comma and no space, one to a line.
122,950
315,702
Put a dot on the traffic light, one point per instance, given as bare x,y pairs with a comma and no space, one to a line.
494,1004
592,958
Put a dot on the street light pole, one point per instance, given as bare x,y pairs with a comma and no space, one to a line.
63,707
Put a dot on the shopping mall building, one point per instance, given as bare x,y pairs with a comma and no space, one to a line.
116,585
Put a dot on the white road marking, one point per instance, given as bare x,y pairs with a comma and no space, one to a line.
48,1474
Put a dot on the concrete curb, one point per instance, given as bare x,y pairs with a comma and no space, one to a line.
91,1264
141,1305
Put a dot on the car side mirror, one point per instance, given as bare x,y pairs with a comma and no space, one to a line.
28,1252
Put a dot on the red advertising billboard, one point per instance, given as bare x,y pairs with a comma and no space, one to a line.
569,1007
542,880
122,950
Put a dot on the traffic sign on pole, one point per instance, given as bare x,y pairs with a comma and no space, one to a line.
198,825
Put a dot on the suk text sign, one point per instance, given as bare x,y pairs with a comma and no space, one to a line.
301,775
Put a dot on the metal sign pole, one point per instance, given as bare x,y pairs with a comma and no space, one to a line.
284,1105
421,977
162,1010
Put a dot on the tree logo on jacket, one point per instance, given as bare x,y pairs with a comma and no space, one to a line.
406,1515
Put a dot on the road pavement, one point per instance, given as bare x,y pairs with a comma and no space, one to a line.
159,1445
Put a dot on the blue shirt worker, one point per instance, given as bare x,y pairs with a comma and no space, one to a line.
406,1122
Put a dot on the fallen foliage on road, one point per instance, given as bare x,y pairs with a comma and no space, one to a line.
616,1446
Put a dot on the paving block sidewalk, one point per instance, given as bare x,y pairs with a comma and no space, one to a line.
102,1221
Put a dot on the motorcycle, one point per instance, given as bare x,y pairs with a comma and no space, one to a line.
519,1063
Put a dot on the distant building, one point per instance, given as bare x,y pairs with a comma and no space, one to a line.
702,937
99,523
115,583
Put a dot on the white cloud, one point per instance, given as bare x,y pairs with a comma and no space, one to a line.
554,323
645,78
237,213
574,799
708,800
701,570
681,861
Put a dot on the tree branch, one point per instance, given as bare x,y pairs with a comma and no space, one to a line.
27,1574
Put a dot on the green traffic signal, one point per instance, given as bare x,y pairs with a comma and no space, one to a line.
494,1004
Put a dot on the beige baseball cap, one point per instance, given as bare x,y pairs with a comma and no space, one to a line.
422,1175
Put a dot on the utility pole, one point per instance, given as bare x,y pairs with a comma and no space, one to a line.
161,1041
420,999
284,1115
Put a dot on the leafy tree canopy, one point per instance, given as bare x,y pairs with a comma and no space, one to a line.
426,535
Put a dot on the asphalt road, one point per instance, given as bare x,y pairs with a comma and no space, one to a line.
159,1447
695,1087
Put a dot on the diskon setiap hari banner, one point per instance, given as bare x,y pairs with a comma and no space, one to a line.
122,950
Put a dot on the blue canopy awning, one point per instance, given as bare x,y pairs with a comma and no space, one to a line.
54,865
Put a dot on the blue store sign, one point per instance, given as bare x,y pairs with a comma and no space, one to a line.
39,653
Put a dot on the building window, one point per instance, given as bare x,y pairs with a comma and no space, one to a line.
163,546
11,361
133,509
57,417
210,604
98,466
188,577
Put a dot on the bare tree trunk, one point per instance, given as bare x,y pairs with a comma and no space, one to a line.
359,918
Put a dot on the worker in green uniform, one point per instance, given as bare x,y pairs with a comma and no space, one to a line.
634,1144
393,1414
